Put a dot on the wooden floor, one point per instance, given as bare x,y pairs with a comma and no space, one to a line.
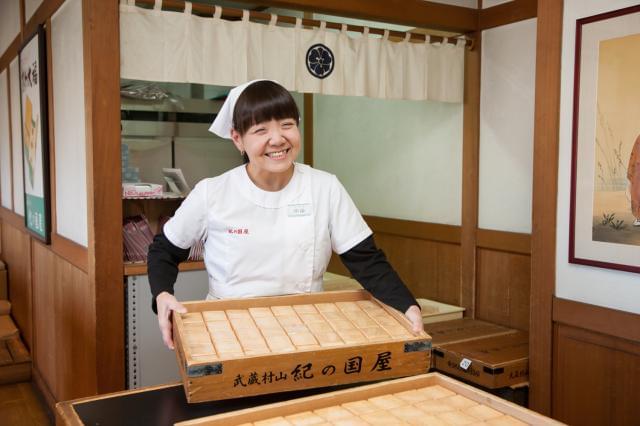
21,405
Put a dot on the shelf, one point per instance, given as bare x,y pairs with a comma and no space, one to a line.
141,268
157,197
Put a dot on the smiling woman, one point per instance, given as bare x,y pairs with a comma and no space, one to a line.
270,148
269,226
265,131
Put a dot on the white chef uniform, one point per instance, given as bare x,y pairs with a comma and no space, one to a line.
261,243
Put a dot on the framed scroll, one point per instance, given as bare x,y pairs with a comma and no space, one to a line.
605,172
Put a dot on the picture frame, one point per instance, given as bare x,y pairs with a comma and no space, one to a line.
604,221
176,181
35,146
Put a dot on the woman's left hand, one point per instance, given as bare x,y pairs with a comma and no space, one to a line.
414,315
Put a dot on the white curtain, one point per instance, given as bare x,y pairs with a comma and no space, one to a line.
168,46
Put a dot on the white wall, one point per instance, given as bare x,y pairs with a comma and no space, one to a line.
69,122
16,138
5,142
398,159
506,127
9,22
597,286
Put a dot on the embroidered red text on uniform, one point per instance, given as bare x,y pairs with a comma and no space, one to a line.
238,231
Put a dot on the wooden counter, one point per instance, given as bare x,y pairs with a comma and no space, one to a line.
158,406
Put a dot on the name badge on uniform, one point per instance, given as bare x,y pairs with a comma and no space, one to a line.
295,210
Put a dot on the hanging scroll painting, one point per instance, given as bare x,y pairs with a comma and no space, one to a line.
605,185
33,97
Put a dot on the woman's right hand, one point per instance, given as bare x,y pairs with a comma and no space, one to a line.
166,304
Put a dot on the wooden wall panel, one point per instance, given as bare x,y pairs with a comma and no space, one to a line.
597,318
503,288
430,269
596,378
64,326
16,253
46,317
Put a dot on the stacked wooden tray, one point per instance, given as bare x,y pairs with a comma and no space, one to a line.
334,282
15,363
492,362
429,399
487,354
240,347
433,311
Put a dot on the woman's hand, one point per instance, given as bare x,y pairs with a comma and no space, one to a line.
414,314
167,303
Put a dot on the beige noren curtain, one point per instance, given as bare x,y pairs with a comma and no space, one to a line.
169,46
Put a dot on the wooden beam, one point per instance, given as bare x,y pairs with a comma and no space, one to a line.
413,13
413,229
45,11
545,191
512,242
70,251
470,173
507,13
597,319
11,53
22,19
104,201
13,219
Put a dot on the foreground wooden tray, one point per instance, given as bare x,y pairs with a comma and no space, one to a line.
240,347
426,399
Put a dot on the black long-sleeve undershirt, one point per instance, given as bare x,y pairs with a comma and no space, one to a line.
369,266
162,266
366,262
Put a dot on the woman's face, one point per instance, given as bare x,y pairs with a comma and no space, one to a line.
272,146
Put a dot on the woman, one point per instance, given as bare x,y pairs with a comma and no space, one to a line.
270,225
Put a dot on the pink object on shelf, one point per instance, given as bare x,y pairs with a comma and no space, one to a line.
141,190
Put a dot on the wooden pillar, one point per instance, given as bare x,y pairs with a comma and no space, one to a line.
470,172
545,191
308,128
102,109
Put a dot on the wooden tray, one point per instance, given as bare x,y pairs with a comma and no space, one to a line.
461,330
492,362
239,347
426,399
335,282
433,311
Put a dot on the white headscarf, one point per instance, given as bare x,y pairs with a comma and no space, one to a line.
223,123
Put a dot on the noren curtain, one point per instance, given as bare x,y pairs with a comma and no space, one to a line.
182,47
